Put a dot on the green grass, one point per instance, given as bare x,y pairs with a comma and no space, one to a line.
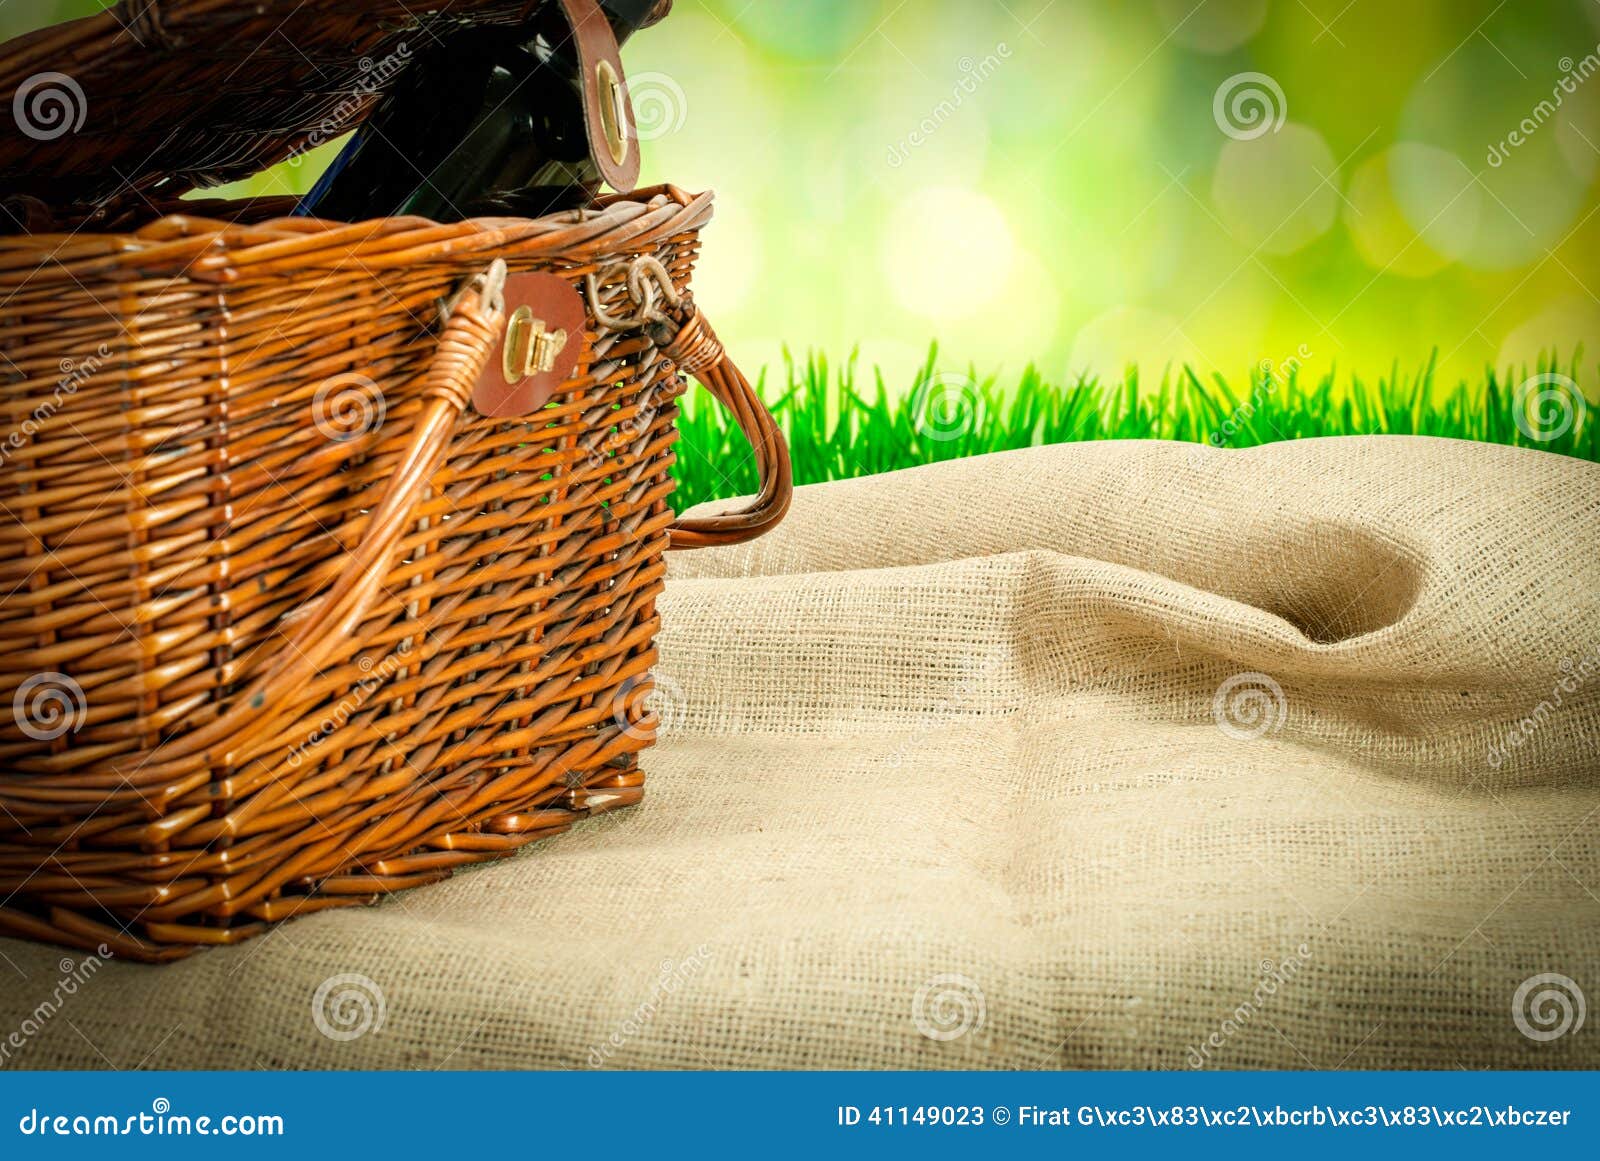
837,430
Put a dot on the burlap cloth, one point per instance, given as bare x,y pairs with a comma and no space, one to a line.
1118,754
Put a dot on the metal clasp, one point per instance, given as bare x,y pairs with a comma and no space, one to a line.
613,111
529,348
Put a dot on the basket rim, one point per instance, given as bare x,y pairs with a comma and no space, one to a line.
212,250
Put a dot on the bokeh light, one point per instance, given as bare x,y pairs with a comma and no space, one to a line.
1395,242
1278,192
1439,196
947,252
1471,104
1214,26
1102,344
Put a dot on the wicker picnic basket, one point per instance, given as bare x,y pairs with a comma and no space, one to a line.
301,602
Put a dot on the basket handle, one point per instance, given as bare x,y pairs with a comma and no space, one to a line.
690,343
469,336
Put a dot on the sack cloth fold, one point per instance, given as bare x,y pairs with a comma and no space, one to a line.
1131,755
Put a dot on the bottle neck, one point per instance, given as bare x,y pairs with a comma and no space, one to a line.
628,16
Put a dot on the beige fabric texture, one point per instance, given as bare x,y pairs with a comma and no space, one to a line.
1099,755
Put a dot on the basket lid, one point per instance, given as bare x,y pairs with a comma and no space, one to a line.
152,98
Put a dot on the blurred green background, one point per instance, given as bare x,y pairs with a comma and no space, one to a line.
1084,185
1075,202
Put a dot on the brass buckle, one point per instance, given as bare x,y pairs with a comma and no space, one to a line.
529,348
613,113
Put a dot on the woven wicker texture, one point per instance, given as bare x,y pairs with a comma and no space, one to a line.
285,623
946,746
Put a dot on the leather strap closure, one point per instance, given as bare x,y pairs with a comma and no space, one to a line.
607,107
538,348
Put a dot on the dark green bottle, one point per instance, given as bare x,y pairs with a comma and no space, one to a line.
489,121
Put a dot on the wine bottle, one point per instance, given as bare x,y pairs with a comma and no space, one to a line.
485,122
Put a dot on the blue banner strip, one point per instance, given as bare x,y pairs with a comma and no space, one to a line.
845,1113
